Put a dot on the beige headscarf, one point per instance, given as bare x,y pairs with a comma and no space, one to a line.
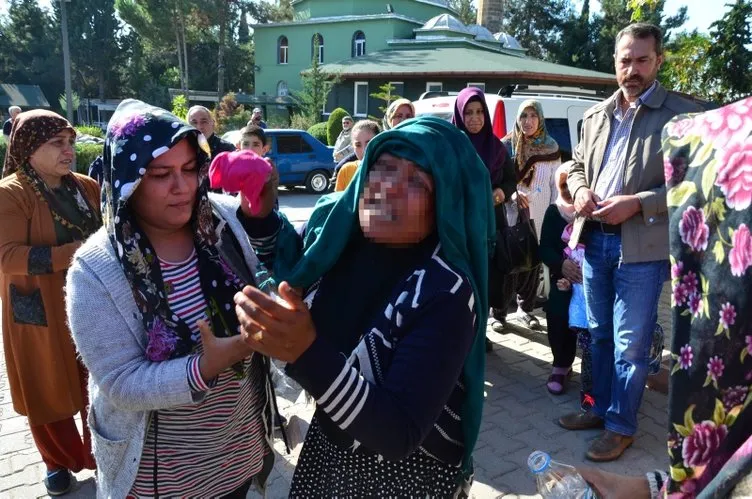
387,122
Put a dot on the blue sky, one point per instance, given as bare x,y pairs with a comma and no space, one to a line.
701,12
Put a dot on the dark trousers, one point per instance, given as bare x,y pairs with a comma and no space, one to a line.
562,339
521,289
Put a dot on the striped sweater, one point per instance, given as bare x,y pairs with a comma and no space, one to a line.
399,391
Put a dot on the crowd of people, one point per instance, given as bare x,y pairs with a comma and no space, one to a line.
154,305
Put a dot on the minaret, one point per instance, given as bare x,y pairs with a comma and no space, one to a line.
490,14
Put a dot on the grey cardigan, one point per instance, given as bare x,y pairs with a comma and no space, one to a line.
124,387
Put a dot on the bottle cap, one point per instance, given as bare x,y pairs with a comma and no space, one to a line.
538,462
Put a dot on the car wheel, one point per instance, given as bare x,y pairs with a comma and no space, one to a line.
317,182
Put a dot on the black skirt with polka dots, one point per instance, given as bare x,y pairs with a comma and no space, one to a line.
326,470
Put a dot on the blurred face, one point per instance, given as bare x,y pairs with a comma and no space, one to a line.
257,116
529,121
637,65
167,193
203,121
404,112
53,159
14,113
253,143
397,207
474,116
347,124
360,140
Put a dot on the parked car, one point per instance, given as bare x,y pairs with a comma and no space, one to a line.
563,110
301,159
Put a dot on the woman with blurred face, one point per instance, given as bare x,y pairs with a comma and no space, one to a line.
180,405
46,212
382,317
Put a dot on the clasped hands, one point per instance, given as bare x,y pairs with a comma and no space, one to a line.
279,330
613,211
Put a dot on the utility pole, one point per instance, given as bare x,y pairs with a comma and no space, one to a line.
66,61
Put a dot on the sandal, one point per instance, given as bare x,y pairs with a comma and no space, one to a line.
530,321
557,379
499,326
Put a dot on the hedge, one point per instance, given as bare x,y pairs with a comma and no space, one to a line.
334,125
94,131
319,131
85,154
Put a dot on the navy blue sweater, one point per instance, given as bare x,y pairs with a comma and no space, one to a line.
398,391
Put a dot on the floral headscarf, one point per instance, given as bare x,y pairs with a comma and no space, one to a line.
708,168
30,131
387,121
525,151
136,134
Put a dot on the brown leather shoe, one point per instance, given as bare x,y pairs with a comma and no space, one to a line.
583,420
608,447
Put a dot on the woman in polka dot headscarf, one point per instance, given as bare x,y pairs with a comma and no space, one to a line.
180,405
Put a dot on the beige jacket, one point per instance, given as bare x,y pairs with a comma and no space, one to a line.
644,236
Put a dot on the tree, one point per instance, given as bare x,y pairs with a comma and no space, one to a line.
537,24
686,64
96,52
316,86
616,15
466,11
386,94
30,54
730,72
577,47
75,102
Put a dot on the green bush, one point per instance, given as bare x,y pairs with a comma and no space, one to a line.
94,131
85,154
319,131
301,122
334,125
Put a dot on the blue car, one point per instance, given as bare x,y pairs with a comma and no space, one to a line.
301,159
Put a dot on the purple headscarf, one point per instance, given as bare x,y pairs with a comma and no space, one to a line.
487,145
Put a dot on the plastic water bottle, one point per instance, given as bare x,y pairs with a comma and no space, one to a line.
557,480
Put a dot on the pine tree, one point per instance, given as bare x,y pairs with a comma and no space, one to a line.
537,25
316,86
730,72
466,11
577,46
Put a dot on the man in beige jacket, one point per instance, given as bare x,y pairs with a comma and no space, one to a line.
620,195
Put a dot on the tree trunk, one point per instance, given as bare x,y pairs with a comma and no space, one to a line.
223,7
101,83
181,20
180,56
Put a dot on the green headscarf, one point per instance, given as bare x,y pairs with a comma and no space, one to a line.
464,219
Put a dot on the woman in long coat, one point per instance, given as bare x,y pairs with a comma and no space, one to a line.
47,211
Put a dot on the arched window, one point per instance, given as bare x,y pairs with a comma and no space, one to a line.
282,47
359,44
320,42
282,90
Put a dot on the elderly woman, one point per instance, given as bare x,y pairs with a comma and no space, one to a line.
394,271
709,440
47,212
471,115
536,157
397,112
175,410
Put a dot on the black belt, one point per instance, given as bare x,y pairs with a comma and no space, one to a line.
593,226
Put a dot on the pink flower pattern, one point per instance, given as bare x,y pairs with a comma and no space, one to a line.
693,229
695,304
705,439
728,315
735,172
685,356
715,368
740,256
